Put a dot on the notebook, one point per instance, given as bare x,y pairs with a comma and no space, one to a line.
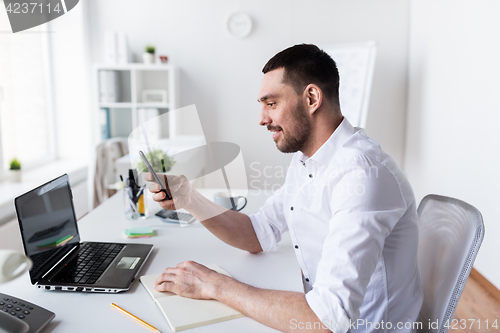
183,313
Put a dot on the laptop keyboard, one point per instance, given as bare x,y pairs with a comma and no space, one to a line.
91,261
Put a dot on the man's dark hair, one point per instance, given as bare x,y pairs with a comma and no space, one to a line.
305,64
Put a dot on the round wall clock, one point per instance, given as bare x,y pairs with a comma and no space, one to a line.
239,24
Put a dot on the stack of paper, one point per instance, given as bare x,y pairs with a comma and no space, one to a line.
142,232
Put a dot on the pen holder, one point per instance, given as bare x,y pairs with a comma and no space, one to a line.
135,203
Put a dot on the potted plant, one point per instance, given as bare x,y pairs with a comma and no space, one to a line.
160,161
15,170
149,56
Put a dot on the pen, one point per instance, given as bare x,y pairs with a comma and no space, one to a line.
140,202
132,183
136,318
130,200
132,205
141,191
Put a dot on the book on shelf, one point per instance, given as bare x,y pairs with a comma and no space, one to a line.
105,124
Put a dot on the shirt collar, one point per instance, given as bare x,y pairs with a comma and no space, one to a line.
325,153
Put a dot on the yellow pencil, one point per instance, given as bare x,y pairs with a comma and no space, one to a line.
136,318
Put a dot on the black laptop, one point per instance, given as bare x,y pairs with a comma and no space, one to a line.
60,261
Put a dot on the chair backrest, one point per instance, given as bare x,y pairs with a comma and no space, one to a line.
104,174
450,234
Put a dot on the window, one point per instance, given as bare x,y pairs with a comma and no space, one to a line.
26,119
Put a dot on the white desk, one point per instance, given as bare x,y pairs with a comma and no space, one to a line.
92,312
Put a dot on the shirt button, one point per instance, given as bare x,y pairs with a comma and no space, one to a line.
296,246
307,279
310,175
291,208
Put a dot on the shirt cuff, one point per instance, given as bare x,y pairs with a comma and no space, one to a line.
265,234
328,309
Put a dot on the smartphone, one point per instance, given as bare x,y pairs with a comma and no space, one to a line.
167,215
155,176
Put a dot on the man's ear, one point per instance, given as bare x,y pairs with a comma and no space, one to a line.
314,97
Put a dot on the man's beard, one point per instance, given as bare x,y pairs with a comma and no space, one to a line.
295,137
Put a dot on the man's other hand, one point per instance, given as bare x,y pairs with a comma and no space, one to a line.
189,279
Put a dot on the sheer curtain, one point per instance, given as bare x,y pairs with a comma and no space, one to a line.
25,110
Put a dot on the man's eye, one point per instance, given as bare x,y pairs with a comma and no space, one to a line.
271,104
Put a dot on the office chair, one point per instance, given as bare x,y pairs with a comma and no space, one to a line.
103,176
450,234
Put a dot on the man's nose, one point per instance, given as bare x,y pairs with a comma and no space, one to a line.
264,118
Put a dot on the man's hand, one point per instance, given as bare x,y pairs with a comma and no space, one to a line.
189,279
178,187
232,227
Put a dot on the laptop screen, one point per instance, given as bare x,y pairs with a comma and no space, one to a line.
47,220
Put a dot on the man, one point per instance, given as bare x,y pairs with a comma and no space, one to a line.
350,211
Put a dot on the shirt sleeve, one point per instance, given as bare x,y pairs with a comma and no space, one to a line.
269,222
366,203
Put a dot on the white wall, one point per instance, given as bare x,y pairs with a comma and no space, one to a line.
222,75
71,84
453,115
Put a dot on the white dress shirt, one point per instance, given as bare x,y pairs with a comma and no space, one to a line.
352,218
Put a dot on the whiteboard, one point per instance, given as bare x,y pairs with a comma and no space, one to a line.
355,62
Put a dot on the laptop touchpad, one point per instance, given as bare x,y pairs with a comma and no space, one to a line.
128,262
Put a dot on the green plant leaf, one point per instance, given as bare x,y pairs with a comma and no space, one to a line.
160,161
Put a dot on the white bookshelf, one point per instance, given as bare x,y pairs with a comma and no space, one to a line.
131,81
